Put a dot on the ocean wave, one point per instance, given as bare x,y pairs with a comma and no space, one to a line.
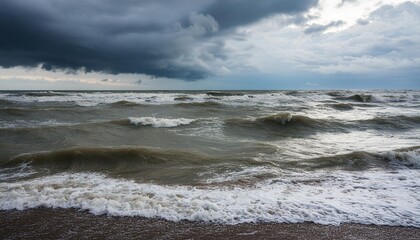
360,97
361,160
22,125
15,111
43,94
363,98
379,198
120,160
284,120
336,93
28,125
160,122
5,102
105,158
407,157
210,104
183,98
224,94
395,122
341,106
125,103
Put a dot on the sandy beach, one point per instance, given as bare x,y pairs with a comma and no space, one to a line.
74,224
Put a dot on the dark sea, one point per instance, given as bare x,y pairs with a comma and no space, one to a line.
227,157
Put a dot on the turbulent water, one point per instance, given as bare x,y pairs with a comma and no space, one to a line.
327,157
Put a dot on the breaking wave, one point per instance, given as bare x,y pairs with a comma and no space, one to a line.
363,98
287,121
160,122
283,120
361,160
324,198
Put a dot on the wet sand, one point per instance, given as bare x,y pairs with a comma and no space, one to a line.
74,224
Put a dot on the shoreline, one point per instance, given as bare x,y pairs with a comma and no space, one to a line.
43,223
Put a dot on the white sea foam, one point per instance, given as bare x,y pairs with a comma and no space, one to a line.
31,123
380,198
160,122
21,171
158,98
269,98
238,175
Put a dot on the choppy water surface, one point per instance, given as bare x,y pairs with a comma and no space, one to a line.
230,157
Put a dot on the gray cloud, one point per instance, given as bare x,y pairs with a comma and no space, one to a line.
232,13
362,21
386,45
175,39
346,1
315,28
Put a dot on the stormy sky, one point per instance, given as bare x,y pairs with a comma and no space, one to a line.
209,44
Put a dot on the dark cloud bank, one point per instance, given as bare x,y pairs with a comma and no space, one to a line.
165,38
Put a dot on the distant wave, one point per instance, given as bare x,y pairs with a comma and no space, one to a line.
43,94
363,98
20,111
335,93
201,104
183,98
224,94
159,122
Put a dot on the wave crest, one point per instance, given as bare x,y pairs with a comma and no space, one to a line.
112,158
361,160
160,122
282,120
409,158
125,103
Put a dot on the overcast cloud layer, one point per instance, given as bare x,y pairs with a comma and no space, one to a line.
175,39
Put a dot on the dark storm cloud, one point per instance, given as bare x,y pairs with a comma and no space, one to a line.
315,28
232,13
164,38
